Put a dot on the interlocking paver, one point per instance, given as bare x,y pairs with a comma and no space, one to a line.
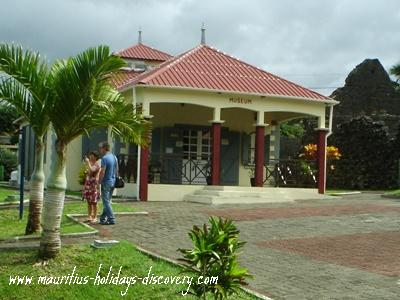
278,271
375,250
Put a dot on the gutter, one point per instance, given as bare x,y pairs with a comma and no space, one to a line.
330,121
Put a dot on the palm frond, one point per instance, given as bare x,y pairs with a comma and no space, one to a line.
124,119
26,85
86,99
25,66
395,70
15,94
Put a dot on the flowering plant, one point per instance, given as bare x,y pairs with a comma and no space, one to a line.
310,152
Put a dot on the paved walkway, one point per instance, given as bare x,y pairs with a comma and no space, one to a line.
332,249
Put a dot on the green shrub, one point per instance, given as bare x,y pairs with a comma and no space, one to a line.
9,160
8,115
214,254
82,174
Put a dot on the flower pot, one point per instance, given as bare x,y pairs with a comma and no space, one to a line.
253,181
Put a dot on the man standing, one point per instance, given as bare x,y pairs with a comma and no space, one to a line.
107,179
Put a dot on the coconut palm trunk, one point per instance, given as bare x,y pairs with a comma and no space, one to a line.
36,190
50,243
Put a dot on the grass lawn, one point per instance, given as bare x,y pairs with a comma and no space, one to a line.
87,261
335,191
73,193
5,192
10,225
393,192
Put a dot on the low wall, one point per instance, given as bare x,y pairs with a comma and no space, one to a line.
129,190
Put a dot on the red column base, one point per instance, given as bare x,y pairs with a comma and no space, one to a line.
259,156
321,160
215,153
144,173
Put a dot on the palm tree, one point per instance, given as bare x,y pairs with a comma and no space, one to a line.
84,100
395,70
25,84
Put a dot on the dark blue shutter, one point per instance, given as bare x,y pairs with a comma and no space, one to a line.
156,141
230,158
171,171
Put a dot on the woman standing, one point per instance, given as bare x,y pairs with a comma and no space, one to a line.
91,190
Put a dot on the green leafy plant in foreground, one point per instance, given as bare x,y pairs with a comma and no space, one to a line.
214,254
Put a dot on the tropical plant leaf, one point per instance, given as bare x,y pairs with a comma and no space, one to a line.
214,253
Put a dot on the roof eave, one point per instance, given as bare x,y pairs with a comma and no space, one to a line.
143,58
328,101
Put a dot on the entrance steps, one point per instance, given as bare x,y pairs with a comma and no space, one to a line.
218,195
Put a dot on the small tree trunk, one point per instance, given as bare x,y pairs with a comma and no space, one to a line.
50,243
36,190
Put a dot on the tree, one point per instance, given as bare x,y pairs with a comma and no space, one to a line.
8,114
25,85
395,70
84,99
9,160
292,129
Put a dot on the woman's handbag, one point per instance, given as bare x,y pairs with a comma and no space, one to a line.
119,182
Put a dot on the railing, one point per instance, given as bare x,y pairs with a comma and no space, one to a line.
177,169
291,173
166,168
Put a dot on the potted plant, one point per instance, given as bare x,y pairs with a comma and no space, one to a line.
82,174
251,171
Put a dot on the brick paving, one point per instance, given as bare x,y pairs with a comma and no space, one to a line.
295,212
375,251
316,249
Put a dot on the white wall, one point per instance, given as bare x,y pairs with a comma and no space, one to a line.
74,163
171,192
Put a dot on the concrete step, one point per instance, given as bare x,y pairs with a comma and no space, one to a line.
199,199
234,188
245,195
225,194
233,200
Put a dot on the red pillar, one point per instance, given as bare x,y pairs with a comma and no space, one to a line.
321,160
144,173
215,153
259,156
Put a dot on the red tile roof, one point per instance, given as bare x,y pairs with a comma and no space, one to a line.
140,51
207,68
123,77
